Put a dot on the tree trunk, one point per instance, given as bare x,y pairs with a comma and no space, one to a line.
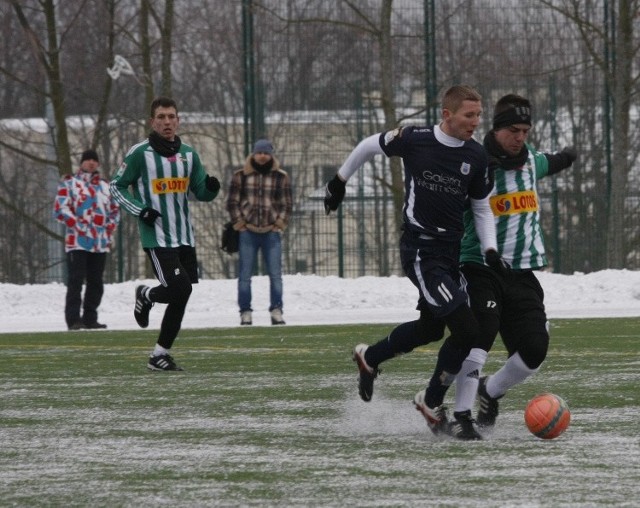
622,87
100,134
50,65
145,47
166,34
388,104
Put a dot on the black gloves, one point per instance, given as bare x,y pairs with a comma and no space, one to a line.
334,194
497,263
570,153
212,184
149,216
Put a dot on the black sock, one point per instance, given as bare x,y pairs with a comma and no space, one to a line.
450,360
403,338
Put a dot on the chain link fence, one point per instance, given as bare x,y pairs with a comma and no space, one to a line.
320,82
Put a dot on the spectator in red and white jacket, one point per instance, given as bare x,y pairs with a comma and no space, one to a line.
85,206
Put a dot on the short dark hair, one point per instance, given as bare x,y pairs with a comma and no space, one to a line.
162,102
457,94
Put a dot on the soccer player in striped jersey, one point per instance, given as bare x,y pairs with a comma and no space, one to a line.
443,167
153,183
513,304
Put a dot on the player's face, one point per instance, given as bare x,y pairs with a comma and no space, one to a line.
463,122
165,122
512,138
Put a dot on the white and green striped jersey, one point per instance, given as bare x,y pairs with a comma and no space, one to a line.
516,207
147,179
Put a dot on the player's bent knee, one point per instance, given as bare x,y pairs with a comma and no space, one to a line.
533,350
489,327
180,289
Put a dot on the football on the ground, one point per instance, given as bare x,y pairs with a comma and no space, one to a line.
547,416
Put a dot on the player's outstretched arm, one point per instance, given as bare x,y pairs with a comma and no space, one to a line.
561,160
336,188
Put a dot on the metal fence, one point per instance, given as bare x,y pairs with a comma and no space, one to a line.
359,240
317,86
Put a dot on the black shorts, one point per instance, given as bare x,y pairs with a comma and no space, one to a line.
517,301
169,262
432,266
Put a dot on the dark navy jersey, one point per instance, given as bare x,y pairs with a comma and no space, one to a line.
437,178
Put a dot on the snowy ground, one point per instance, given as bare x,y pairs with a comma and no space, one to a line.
242,428
311,300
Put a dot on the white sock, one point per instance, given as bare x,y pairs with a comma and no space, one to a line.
514,371
159,350
467,379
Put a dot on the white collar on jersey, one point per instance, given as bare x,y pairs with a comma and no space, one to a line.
445,139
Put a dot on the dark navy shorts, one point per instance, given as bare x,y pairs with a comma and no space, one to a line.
432,266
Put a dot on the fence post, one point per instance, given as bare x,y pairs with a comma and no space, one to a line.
430,62
553,111
249,76
340,242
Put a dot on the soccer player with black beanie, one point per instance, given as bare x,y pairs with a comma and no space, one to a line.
514,304
443,168
161,172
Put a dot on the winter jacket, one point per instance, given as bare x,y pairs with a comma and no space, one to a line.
84,205
257,202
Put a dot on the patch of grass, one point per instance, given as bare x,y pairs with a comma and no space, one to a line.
267,416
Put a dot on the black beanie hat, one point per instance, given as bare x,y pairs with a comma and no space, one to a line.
510,110
89,155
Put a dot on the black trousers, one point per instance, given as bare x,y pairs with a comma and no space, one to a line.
84,266
177,270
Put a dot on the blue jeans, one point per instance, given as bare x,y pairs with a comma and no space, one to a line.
271,246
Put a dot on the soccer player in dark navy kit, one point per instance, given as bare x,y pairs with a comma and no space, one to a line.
443,167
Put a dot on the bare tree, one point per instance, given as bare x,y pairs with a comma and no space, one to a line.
614,48
46,52
166,32
329,72
360,18
100,133
164,24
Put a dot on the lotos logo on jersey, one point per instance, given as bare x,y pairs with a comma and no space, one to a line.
517,202
170,185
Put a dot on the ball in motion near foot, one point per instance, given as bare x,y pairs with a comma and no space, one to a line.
547,416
